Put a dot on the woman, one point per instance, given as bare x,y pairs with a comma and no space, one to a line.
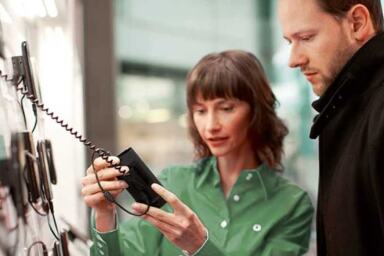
231,201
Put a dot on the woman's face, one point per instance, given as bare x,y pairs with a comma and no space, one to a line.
223,124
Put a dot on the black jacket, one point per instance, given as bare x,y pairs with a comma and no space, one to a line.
350,126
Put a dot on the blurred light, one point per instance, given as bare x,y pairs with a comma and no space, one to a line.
54,60
35,8
4,16
182,120
142,107
50,5
158,115
125,112
17,7
281,57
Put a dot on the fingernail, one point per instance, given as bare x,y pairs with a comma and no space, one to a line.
114,159
124,169
123,184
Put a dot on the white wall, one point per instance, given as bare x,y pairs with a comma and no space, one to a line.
56,57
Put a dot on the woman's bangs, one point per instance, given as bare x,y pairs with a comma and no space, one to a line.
216,82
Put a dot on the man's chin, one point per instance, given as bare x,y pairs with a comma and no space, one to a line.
318,88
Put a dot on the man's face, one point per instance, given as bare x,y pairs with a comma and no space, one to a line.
320,44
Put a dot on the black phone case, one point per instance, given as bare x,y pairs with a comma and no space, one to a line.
32,172
43,168
139,179
51,162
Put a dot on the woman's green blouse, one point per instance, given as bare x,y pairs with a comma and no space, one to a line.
264,214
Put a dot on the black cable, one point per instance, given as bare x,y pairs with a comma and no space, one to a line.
101,152
45,199
35,209
34,126
50,210
53,216
22,110
45,250
29,197
28,185
109,196
51,229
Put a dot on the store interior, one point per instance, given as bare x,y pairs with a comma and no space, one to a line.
112,73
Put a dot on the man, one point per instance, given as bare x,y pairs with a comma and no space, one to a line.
339,47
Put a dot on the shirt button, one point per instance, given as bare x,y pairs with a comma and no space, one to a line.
256,227
223,224
236,198
249,176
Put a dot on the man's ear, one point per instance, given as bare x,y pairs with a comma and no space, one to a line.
361,24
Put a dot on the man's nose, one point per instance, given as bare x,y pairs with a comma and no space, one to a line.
297,58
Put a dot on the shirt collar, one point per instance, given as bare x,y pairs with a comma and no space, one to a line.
261,178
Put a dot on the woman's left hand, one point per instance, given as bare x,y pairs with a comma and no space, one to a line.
182,227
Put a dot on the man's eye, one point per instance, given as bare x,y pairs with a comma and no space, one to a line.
306,38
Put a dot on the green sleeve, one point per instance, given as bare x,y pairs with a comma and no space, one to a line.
291,238
134,237
209,249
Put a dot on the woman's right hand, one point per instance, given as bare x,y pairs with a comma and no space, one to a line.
94,198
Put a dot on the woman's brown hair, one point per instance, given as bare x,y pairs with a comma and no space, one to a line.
240,75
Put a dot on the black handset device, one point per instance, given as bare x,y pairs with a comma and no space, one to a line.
139,178
29,82
16,175
51,162
44,171
31,168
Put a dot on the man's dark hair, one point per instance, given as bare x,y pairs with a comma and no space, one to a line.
340,7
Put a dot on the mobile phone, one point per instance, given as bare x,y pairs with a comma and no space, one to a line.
28,76
139,179
43,169
31,168
16,175
51,162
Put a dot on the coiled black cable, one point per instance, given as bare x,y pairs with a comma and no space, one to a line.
100,151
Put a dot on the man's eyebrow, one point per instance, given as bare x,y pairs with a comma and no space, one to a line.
287,39
298,34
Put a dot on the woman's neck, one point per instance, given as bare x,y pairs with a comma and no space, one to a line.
230,167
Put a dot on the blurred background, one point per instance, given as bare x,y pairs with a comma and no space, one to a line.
157,42
115,70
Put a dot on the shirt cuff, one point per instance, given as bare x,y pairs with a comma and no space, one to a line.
186,253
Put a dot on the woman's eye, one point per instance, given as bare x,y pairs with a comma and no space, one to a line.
199,111
227,108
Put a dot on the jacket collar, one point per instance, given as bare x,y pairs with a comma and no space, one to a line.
347,84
